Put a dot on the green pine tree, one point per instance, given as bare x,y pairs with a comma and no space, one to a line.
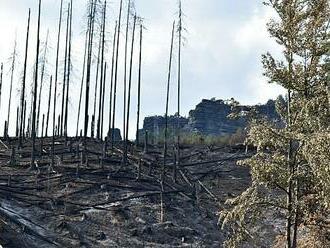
291,168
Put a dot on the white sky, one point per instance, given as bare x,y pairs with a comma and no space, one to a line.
221,57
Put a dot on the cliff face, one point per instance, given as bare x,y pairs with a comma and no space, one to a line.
210,117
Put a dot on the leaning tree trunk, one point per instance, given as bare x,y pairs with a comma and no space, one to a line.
177,164
166,108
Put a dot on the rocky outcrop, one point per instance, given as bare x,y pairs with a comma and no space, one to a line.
155,124
117,134
210,117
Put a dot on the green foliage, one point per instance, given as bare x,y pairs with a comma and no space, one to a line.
292,163
191,138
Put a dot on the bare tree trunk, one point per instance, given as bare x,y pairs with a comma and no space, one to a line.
24,116
68,79
89,62
125,67
65,69
11,83
103,96
23,106
55,84
42,81
129,91
111,82
42,135
102,71
137,138
177,164
17,122
43,125
35,93
49,102
116,77
167,103
58,125
96,80
82,80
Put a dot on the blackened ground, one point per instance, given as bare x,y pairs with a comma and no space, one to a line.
103,203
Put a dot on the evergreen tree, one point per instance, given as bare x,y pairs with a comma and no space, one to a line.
290,170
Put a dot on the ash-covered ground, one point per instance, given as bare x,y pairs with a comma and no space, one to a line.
97,201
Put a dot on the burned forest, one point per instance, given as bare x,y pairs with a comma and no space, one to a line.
101,145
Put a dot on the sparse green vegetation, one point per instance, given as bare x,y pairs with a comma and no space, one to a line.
191,138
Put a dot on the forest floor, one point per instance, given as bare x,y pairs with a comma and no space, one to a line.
99,202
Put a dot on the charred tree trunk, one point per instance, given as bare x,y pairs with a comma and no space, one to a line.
42,135
68,79
129,91
102,72
167,103
111,81
65,69
49,102
177,164
55,83
103,96
11,84
137,138
125,67
35,93
42,81
23,104
89,62
96,81
17,122
24,117
82,79
115,79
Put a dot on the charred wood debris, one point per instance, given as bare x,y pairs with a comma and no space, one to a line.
62,191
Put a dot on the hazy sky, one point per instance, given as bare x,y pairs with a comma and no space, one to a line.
224,40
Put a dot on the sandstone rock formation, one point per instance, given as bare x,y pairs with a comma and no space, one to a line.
210,117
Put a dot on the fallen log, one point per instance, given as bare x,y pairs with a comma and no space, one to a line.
29,227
